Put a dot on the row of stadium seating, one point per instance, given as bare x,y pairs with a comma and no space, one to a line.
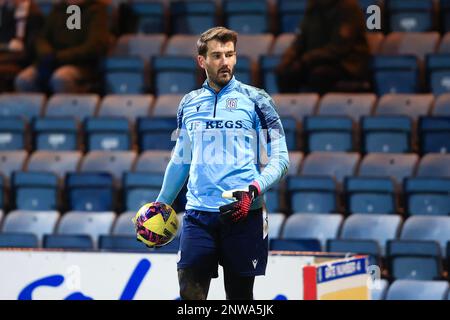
317,183
402,63
410,290
417,248
258,16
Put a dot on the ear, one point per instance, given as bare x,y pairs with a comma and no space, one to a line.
201,61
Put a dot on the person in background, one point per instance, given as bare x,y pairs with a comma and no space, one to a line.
20,22
331,47
68,59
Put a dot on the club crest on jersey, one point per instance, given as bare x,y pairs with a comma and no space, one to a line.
231,104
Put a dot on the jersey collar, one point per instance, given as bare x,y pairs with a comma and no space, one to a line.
230,85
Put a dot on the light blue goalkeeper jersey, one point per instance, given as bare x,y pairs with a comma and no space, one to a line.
225,141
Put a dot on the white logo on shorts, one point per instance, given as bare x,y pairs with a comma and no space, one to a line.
255,262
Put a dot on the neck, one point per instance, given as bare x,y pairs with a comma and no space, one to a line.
214,86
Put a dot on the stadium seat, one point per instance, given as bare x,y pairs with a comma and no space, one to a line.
149,16
276,222
254,46
328,133
35,190
78,106
290,14
379,289
296,105
246,16
388,134
295,162
438,73
243,70
45,6
68,242
442,105
26,105
395,165
410,15
124,75
166,105
312,194
2,197
55,134
58,162
156,133
434,165
312,226
141,45
444,46
267,66
174,75
395,74
192,17
272,198
139,187
418,44
18,240
282,43
290,128
310,245
417,290
415,260
107,134
412,105
435,228
181,45
121,243
114,162
152,161
128,106
427,196
370,195
355,246
353,105
90,191
37,223
378,227
434,133
92,224
13,134
11,161
123,225
334,164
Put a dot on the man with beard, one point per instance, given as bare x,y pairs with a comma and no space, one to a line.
222,131
330,48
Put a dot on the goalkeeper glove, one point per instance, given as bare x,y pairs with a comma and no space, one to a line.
239,209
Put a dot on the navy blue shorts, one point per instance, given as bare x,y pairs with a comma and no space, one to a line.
241,247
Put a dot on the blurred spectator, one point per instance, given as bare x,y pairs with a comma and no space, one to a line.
330,48
68,60
20,22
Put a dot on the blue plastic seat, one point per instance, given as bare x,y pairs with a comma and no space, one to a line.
140,188
378,227
427,196
290,130
243,70
121,243
434,165
58,162
107,134
442,105
68,242
370,195
11,161
312,245
416,260
125,75
276,222
153,161
149,16
379,290
25,105
55,134
18,240
312,194
12,134
390,134
354,105
291,13
268,77
328,133
296,105
155,133
411,15
126,106
312,226
434,133
395,74
192,17
90,191
35,190
354,246
113,162
438,73
272,198
246,16
174,75
418,290
78,106
124,224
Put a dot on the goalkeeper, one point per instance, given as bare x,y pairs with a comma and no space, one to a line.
225,131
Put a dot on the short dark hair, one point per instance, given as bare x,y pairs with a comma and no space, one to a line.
220,34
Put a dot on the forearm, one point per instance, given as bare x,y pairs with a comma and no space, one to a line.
174,179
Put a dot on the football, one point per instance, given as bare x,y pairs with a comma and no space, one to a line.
156,224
